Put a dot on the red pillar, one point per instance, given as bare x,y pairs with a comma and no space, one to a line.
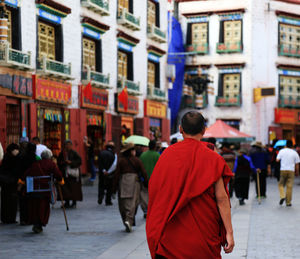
142,127
32,130
3,121
108,123
165,129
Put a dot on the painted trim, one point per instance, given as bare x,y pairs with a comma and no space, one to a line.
12,3
230,70
91,33
122,45
51,10
288,20
93,28
194,71
153,57
50,17
230,17
198,19
284,72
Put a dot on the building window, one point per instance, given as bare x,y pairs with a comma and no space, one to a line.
124,4
122,65
89,53
14,30
199,33
153,75
289,39
46,37
153,14
290,88
50,41
231,85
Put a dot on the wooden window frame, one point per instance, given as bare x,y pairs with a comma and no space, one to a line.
16,31
156,73
189,32
98,53
279,38
130,69
221,83
279,83
59,45
222,31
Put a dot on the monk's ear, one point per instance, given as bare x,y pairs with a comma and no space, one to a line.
203,131
180,129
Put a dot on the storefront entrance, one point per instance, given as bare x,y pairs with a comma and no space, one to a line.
13,123
95,130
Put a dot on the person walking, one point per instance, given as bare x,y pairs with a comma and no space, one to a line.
69,163
39,147
127,181
189,207
39,202
243,169
289,167
229,157
108,160
89,143
9,174
261,161
149,159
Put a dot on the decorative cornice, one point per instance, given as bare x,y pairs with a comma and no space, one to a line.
53,7
127,38
240,10
287,66
94,25
205,66
285,14
197,14
290,1
231,65
156,51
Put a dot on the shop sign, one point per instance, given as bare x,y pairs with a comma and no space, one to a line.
99,100
155,109
287,116
19,85
133,105
52,91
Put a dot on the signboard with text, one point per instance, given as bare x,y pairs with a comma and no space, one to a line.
133,105
155,109
18,85
287,116
52,91
99,100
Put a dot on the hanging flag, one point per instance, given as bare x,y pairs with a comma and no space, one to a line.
87,92
123,98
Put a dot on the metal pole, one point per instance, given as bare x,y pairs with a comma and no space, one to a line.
62,205
258,186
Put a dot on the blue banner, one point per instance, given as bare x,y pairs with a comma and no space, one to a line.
49,16
124,46
91,33
176,46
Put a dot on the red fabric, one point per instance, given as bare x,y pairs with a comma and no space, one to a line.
183,219
123,98
87,92
221,130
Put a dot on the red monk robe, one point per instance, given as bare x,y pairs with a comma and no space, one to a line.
183,220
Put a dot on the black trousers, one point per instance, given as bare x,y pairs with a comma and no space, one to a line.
231,187
105,184
241,187
262,182
9,203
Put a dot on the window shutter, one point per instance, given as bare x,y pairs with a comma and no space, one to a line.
157,21
221,32
220,85
189,34
98,56
157,75
16,29
59,44
130,68
131,6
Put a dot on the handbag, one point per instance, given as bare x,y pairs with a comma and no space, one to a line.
74,172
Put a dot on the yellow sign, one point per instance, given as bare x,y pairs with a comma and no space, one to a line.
155,109
259,93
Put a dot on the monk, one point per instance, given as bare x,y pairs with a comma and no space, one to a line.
189,208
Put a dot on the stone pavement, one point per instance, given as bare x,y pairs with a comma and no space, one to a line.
261,231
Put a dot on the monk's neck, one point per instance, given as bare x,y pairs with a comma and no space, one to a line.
195,137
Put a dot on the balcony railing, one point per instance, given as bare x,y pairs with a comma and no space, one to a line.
98,6
289,101
53,68
229,47
156,33
132,87
14,58
129,20
197,48
97,79
286,50
228,101
156,93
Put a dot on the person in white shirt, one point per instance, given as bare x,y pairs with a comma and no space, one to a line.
289,167
39,147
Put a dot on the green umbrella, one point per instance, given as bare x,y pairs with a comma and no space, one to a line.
137,140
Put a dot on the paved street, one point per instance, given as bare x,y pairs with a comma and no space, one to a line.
261,231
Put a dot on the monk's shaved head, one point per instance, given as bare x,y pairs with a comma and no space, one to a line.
193,123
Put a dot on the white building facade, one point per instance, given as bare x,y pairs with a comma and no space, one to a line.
251,48
58,47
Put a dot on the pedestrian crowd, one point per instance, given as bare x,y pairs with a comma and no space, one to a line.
183,190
